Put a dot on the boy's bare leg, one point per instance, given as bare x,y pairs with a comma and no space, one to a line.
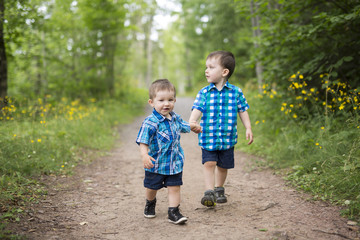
220,176
150,194
174,196
208,199
209,174
174,214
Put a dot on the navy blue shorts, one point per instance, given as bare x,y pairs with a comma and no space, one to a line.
157,181
223,158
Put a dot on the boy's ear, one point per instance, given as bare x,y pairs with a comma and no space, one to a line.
225,72
150,101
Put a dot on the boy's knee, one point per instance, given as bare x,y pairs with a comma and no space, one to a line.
220,169
210,164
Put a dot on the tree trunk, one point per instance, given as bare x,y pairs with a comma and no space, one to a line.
3,61
148,50
109,55
255,22
188,71
149,64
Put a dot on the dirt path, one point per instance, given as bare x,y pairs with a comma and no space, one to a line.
105,200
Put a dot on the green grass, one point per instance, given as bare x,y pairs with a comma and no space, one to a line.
321,153
41,139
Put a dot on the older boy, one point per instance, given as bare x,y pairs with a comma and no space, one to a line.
218,103
161,153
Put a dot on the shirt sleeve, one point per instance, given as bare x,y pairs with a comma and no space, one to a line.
199,102
241,102
184,126
146,133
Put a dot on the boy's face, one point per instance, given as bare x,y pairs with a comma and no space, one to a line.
163,102
214,72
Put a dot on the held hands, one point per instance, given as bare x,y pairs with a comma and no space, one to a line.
195,127
148,161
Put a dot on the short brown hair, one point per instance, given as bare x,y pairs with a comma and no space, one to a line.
227,60
159,85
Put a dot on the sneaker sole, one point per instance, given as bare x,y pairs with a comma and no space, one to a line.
221,200
149,216
208,202
180,221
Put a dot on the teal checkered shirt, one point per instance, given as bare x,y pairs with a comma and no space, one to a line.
219,115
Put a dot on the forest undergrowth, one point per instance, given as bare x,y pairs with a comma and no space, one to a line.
50,136
313,134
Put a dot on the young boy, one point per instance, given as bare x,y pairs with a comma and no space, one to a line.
218,103
161,153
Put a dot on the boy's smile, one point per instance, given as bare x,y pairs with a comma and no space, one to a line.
163,102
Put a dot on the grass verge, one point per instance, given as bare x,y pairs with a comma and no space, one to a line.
46,136
320,152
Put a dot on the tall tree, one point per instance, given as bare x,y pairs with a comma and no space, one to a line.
3,61
255,22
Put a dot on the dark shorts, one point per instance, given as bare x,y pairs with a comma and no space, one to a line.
223,158
157,181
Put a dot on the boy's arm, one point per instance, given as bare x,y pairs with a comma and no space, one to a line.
245,119
193,120
146,159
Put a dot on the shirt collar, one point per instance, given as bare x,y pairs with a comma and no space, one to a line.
160,117
227,84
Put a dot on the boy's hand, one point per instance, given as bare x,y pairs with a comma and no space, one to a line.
148,161
195,127
249,136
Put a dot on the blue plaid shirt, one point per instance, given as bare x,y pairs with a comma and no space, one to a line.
219,115
163,138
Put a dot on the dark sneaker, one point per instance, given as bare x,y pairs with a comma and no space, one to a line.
209,199
175,216
149,211
220,195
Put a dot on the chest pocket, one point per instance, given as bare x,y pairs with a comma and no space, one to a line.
163,136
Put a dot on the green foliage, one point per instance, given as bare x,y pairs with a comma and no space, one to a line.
312,37
46,137
65,48
208,26
321,151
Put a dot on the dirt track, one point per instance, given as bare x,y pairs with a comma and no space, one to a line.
105,200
